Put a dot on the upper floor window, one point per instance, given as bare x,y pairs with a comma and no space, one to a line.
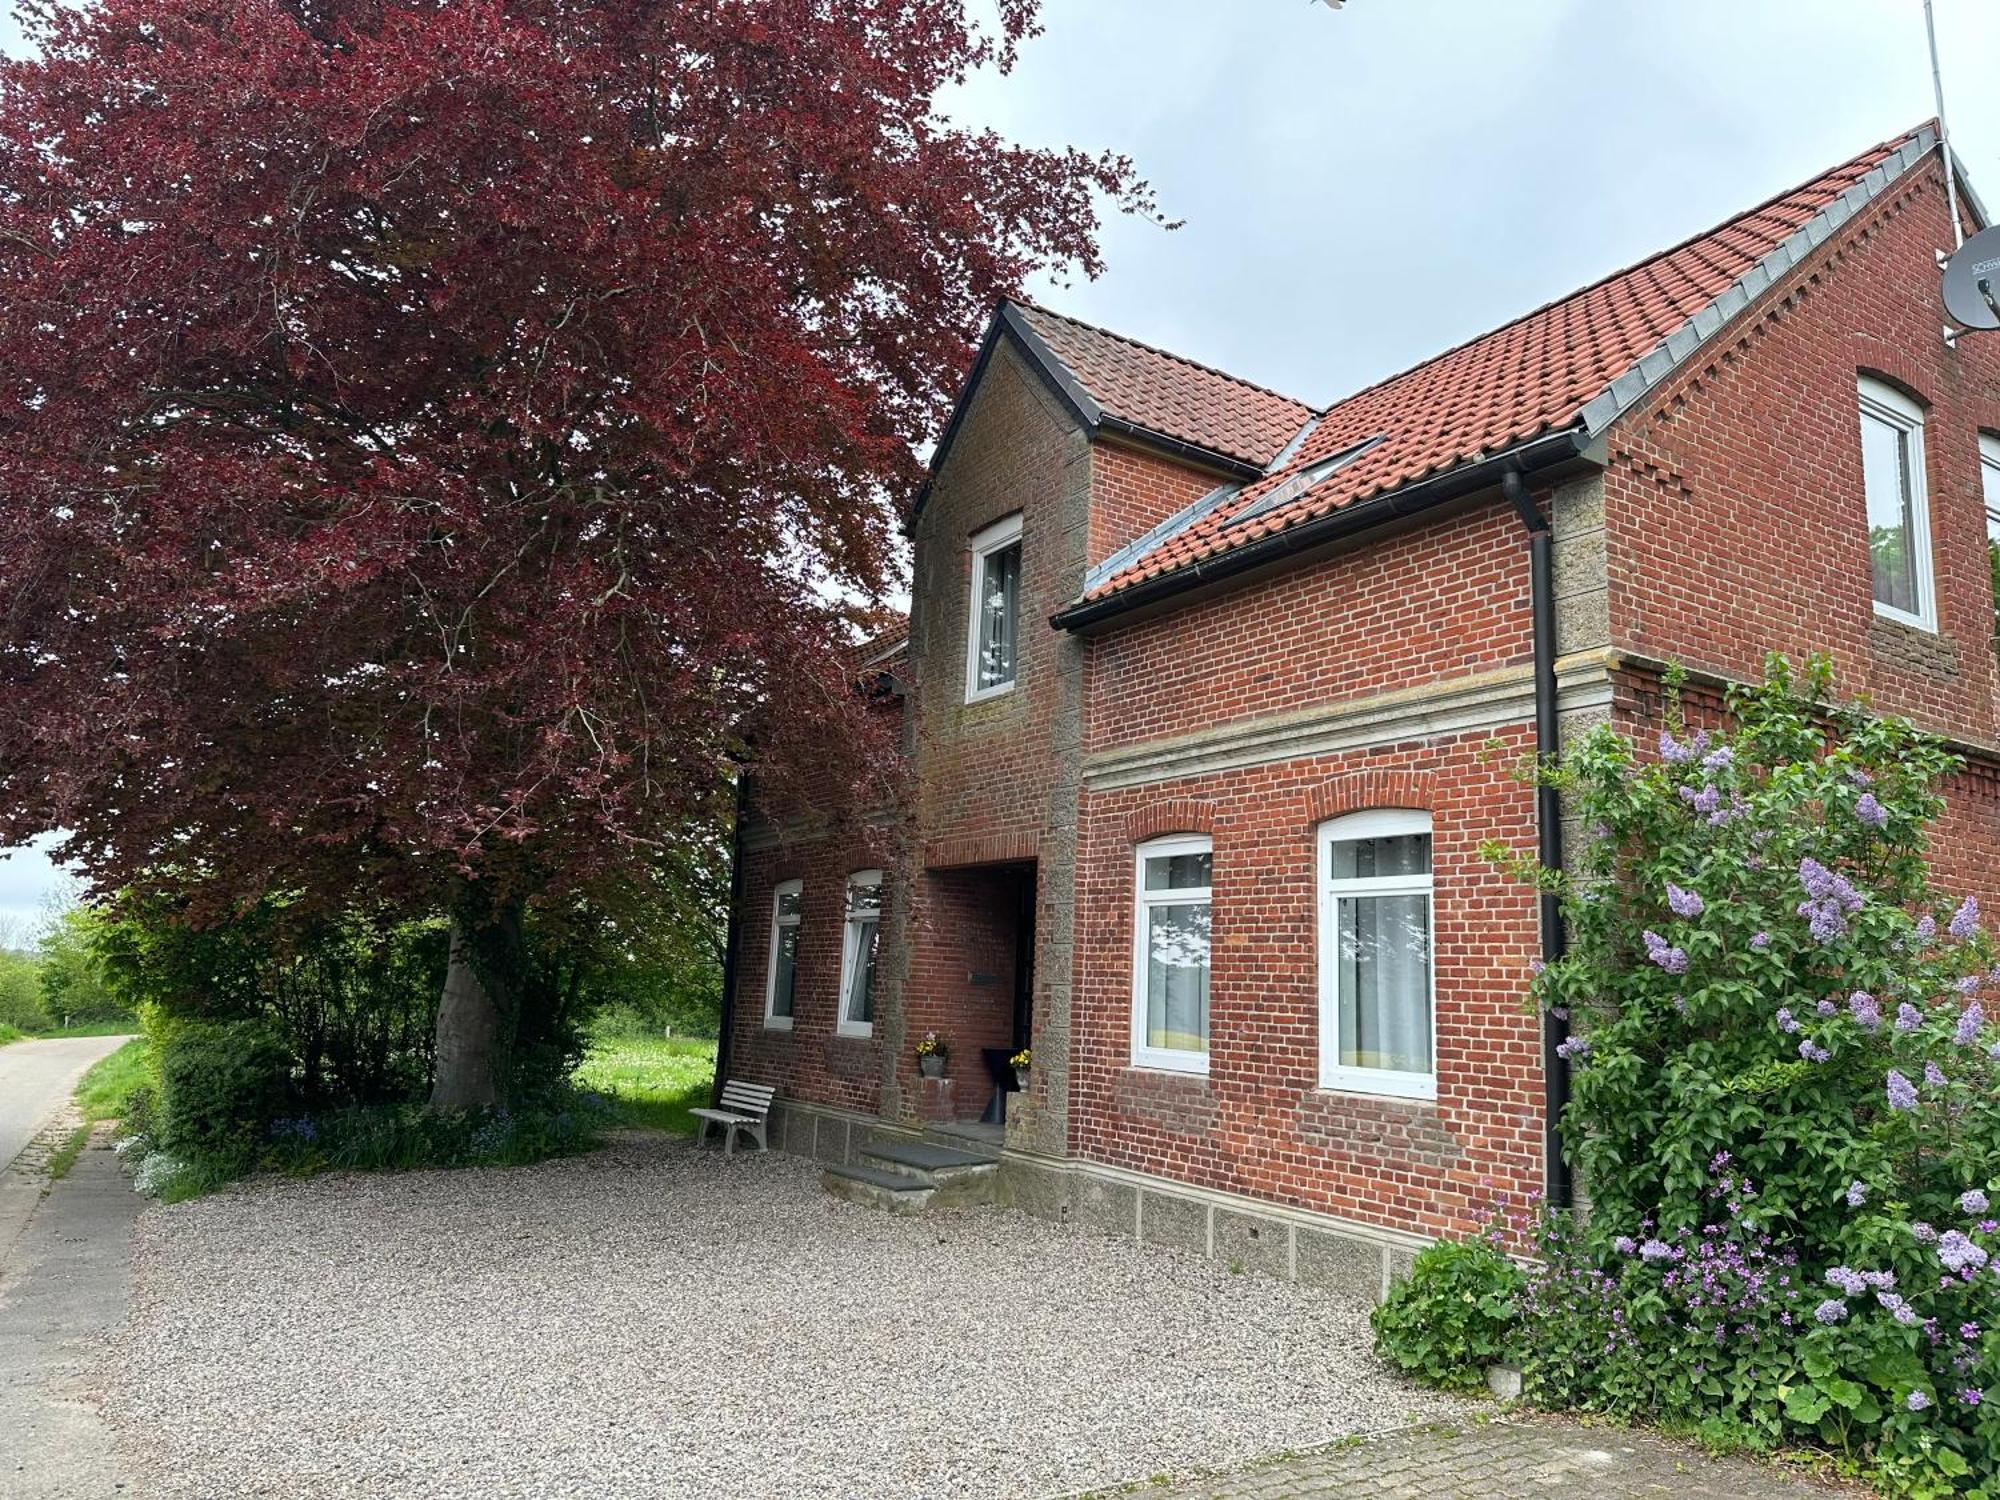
1376,1021
781,984
1989,479
1899,532
860,941
993,630
1170,941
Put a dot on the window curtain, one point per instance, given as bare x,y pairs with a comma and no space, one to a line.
1385,1014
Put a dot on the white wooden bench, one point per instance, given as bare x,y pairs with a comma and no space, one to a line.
745,1107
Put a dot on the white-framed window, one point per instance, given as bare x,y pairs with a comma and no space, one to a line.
1170,947
861,939
1989,483
1899,526
993,626
1377,1023
781,982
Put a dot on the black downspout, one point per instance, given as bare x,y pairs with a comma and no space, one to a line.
1548,820
725,1038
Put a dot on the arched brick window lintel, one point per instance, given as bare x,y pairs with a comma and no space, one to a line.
1357,791
1170,815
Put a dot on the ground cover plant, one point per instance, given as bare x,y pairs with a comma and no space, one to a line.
1784,1103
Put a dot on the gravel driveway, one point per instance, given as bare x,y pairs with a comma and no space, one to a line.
653,1322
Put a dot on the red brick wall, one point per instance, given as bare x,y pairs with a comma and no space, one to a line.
1736,521
809,1062
1443,600
1259,1123
983,769
1132,492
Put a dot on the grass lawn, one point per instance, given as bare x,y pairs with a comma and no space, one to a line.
656,1080
101,1093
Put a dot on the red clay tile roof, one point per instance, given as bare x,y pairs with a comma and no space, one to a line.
1166,394
1529,377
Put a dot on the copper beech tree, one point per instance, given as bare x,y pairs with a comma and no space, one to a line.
431,433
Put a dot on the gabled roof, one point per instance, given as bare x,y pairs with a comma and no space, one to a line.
1569,368
1154,391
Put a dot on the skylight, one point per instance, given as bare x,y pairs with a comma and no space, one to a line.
1295,486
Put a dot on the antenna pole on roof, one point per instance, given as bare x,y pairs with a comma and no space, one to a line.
1944,131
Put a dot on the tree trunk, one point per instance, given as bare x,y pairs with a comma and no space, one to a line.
467,1074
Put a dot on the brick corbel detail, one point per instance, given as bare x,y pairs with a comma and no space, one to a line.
1359,791
988,849
1172,815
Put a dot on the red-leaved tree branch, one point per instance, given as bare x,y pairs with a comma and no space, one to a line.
433,435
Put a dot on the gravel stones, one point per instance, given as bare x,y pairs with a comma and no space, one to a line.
654,1322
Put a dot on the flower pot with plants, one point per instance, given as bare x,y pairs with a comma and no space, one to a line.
931,1055
1021,1060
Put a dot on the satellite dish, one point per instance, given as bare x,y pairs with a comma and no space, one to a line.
1972,281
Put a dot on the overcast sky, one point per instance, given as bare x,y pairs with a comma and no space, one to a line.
1366,187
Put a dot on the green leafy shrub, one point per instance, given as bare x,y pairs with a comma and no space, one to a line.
221,1086
1786,1095
1452,1316
21,1004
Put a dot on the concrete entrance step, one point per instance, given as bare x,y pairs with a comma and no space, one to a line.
922,1156
895,1192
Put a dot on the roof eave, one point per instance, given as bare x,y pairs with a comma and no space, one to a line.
1531,456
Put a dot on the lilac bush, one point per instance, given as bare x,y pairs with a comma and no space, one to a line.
1786,1101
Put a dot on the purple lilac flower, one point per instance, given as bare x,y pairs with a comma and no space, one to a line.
1864,1009
1684,903
1721,758
1970,1021
1813,1052
1535,967
1972,1201
1967,984
1859,777
1934,1076
1922,1233
1955,1252
1847,1280
1857,1193
1656,1250
1830,1311
1706,800
1660,951
1916,1401
1902,1093
1926,928
1965,921
1679,752
1760,941
1897,1308
1827,1008
1624,1244
1573,1049
1971,1396
1870,811
1786,1022
1830,899
1908,1017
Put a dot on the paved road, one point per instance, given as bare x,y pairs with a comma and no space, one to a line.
35,1080
66,1285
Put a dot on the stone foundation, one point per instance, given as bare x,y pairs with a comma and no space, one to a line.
1294,1244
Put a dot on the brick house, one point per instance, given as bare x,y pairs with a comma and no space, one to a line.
1210,696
